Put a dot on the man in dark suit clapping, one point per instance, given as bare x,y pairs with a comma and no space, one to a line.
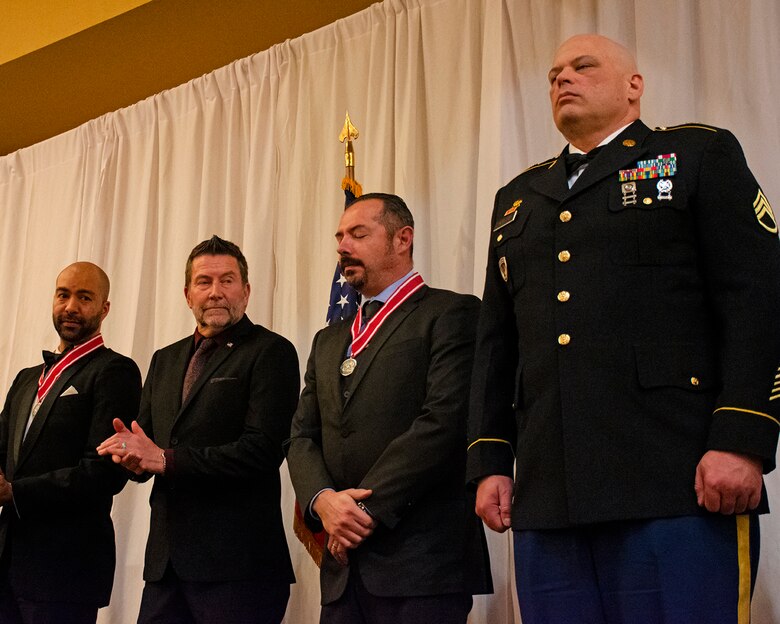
215,409
56,534
377,449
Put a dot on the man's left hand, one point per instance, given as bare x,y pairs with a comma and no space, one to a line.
728,483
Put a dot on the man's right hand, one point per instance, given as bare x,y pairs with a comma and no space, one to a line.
494,502
344,521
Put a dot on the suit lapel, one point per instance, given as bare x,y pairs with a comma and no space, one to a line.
553,182
391,324
620,153
334,352
48,403
22,415
221,353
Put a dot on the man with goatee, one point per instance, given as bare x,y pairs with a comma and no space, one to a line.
56,534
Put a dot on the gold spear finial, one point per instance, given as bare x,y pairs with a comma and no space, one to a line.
348,134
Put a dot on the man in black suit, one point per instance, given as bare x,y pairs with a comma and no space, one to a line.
627,357
376,450
56,534
215,410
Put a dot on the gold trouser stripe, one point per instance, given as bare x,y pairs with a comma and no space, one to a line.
743,557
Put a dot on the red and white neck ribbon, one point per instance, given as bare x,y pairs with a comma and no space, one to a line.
361,338
46,381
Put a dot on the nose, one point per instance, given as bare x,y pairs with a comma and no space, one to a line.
215,292
72,305
343,247
564,76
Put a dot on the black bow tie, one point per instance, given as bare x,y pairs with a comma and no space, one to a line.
50,359
575,161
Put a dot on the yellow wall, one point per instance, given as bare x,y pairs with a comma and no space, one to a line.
28,25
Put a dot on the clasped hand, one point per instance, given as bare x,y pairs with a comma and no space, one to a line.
133,449
347,524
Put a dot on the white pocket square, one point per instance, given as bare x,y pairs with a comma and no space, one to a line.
71,390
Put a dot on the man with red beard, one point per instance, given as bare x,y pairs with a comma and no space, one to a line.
56,534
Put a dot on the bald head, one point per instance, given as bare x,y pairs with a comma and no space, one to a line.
80,302
91,273
595,89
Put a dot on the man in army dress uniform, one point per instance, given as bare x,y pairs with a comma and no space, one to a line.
627,360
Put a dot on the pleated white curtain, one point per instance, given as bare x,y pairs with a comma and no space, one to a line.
450,97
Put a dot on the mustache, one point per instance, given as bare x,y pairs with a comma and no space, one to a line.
347,261
70,318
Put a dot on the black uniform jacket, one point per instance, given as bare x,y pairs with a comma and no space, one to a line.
397,426
625,331
216,514
58,532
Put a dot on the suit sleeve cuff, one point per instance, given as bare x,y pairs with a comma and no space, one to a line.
742,430
489,456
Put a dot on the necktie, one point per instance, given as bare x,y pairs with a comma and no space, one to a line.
575,161
197,364
370,308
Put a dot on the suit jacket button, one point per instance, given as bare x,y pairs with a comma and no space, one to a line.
346,394
564,256
346,434
174,441
565,216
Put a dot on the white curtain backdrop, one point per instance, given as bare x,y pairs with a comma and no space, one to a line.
450,97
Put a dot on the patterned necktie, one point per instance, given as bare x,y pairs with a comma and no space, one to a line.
197,364
370,308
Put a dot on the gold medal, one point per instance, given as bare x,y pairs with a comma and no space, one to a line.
348,366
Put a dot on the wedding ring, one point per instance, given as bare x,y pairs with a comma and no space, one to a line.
124,445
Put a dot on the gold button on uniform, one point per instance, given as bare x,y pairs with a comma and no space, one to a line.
565,216
499,238
563,296
564,255
694,381
564,339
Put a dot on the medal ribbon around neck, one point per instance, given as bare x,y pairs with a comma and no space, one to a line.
360,339
45,382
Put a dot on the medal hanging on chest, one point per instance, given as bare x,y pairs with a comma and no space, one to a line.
362,337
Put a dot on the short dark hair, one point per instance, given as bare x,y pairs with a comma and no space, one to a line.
216,246
395,213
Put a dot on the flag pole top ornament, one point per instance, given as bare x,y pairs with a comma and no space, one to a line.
349,185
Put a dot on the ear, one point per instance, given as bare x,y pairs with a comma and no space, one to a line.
187,296
106,308
636,87
404,237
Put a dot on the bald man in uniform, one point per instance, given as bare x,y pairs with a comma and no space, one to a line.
627,357
56,534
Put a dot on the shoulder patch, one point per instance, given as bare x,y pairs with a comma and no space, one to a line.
764,214
685,126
